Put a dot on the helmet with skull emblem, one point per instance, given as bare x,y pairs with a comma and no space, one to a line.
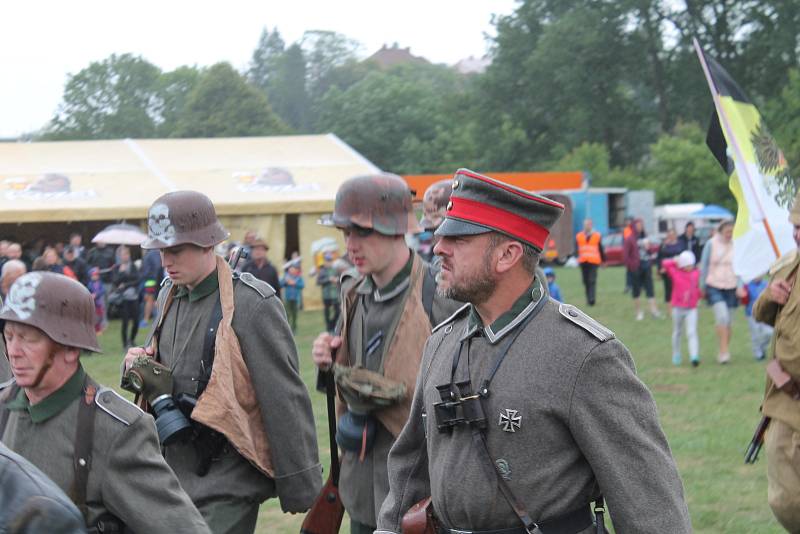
382,202
57,305
434,204
183,217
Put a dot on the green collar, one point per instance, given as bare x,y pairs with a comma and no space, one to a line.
396,285
54,403
201,290
504,324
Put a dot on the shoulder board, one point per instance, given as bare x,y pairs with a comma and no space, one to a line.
452,318
784,261
7,383
584,321
261,287
117,406
167,281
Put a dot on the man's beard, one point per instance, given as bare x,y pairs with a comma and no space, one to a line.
476,289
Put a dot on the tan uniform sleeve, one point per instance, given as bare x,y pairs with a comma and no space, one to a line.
765,310
614,421
407,465
139,487
271,357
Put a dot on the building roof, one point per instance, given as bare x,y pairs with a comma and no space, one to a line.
390,56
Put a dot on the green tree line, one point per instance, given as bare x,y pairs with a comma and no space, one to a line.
612,87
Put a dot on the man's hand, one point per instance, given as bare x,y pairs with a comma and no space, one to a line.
322,350
135,352
779,291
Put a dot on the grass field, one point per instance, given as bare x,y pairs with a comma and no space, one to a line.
708,413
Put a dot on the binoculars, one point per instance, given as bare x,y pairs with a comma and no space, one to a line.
458,406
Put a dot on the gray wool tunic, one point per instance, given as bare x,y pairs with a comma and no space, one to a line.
271,357
584,424
128,477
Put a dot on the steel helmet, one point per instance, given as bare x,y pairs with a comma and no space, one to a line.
57,305
382,202
183,217
434,204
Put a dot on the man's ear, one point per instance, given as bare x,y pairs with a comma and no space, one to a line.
508,254
71,354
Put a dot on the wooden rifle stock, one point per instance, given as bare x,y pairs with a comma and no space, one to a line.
325,515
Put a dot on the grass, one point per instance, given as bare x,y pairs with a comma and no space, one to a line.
708,413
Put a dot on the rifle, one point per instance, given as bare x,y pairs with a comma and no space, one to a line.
754,447
325,515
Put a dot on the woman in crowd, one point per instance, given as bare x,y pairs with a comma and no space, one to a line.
125,280
638,263
721,286
688,240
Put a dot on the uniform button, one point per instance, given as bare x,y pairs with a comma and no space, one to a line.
455,184
82,462
448,329
573,313
449,205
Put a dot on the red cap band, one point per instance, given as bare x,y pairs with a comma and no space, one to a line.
498,219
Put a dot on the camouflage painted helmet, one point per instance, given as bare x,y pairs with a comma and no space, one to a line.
434,204
57,305
183,217
379,201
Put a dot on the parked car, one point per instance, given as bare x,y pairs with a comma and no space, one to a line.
612,248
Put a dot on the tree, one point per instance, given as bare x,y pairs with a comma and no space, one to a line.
266,56
173,91
325,51
682,169
110,99
783,115
287,89
406,119
223,104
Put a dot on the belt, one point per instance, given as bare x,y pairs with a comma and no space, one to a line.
569,523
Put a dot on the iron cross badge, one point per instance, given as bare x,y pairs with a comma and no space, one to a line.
510,420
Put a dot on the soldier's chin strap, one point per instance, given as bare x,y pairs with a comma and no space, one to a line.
48,363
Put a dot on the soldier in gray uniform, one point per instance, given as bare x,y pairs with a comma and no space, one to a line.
388,311
223,340
31,503
96,446
525,410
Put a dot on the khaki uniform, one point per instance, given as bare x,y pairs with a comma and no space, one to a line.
367,311
567,420
233,487
127,477
783,434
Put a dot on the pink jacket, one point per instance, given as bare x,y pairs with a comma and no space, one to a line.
685,288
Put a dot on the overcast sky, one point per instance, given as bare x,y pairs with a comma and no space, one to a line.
41,42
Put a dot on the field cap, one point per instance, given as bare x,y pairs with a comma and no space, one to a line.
480,204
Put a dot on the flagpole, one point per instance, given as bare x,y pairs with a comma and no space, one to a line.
737,149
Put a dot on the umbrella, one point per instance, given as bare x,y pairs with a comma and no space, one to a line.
120,234
712,211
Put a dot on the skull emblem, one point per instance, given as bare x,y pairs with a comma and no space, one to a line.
159,224
21,297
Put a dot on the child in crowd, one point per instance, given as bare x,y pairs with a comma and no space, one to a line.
552,286
685,294
98,293
292,284
760,333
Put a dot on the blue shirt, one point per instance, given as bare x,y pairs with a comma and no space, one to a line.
294,292
555,291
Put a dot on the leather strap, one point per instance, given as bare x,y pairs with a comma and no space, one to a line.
84,439
209,343
13,391
569,523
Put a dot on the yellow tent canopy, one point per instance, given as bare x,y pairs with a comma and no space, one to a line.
273,185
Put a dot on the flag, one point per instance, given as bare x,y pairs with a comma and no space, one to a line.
758,175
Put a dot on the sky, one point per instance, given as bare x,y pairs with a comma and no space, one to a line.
42,42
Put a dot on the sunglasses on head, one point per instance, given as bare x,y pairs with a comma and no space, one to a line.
360,231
